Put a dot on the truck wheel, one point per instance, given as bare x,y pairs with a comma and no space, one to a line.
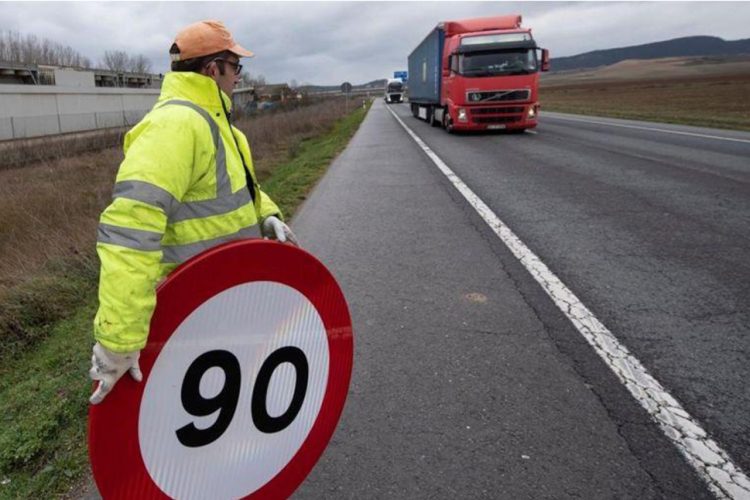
433,119
415,110
448,123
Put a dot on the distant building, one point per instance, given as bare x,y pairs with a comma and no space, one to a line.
62,76
250,99
66,77
245,99
18,74
106,78
279,92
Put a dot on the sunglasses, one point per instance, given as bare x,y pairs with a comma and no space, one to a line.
237,66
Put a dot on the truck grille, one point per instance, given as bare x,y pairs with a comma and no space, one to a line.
497,119
497,111
508,114
498,96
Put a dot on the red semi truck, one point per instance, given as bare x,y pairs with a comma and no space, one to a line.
477,74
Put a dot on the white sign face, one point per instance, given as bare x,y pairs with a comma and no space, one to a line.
234,392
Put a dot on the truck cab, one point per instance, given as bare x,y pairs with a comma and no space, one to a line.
478,74
491,80
394,90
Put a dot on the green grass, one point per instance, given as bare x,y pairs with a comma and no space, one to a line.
44,394
293,180
28,312
46,353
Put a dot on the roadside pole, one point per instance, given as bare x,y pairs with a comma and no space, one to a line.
346,88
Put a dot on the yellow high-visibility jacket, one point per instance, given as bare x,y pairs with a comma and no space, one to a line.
181,189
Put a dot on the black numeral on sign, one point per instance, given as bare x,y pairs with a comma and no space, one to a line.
263,421
197,405
226,400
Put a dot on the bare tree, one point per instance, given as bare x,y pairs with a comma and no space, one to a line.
33,50
249,80
116,60
140,64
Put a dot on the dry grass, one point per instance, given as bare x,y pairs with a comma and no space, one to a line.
50,208
670,68
711,101
276,136
23,152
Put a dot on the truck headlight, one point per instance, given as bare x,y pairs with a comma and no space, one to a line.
462,116
532,113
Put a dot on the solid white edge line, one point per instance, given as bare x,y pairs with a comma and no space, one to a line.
711,462
638,127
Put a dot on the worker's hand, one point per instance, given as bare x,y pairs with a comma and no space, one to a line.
107,367
274,229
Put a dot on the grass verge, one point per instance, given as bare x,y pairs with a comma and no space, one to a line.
43,437
293,180
44,389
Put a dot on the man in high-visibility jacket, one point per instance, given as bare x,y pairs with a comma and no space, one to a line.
186,184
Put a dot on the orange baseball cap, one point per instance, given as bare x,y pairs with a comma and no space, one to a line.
203,38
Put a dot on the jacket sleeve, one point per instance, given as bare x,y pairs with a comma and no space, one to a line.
155,174
264,205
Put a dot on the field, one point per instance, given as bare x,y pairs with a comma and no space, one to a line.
710,92
48,278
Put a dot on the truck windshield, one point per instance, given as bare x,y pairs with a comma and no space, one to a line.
395,87
511,62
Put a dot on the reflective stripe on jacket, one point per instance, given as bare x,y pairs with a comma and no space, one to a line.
181,189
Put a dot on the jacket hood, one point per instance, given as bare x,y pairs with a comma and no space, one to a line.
194,87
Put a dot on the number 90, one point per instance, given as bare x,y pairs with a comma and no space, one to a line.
226,400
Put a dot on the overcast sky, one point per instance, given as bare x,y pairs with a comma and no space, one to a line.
331,42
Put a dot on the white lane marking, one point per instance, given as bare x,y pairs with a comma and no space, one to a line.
693,134
723,477
533,132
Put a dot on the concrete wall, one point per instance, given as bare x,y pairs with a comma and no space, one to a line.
33,111
66,77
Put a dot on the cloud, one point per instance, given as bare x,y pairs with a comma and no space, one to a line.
332,42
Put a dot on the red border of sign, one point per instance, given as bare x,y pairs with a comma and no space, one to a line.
116,460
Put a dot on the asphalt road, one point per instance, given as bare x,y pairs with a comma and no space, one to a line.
468,381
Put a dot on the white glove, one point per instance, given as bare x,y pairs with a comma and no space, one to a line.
107,367
273,228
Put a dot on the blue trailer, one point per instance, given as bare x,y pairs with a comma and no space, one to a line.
424,69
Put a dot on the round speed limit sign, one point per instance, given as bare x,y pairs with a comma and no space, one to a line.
246,372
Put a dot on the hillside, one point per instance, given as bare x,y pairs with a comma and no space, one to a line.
678,47
668,68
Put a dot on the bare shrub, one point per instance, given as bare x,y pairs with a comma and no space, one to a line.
21,152
275,136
